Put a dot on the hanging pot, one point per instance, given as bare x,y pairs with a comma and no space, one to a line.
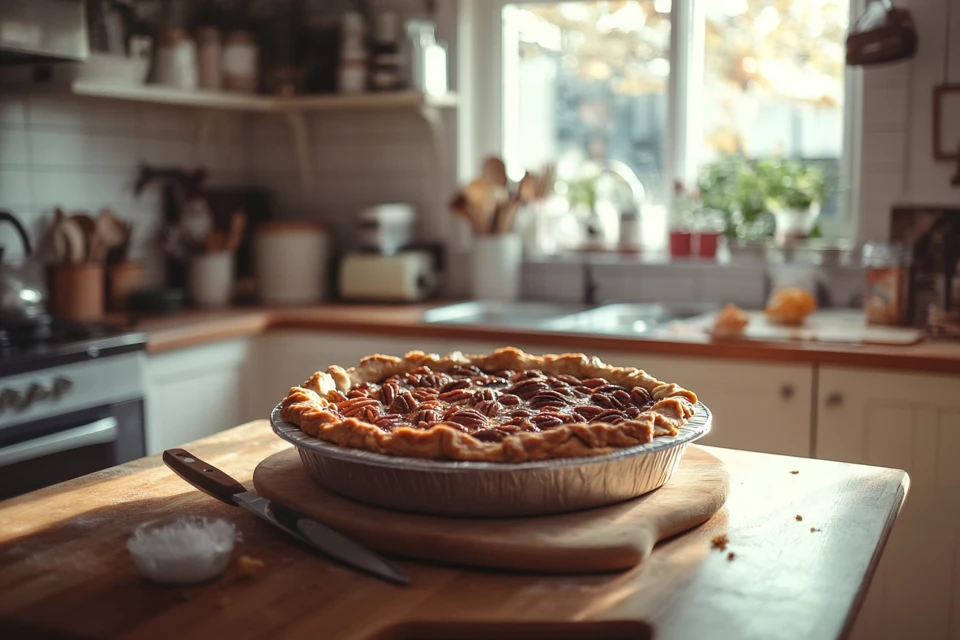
882,34
22,290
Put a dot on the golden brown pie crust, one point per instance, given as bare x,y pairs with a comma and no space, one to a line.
313,407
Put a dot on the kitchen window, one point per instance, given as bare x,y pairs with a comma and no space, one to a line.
667,88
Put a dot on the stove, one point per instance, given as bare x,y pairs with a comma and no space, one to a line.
71,401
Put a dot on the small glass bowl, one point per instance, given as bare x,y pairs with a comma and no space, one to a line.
183,549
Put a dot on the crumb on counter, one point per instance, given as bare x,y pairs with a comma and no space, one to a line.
799,518
814,530
795,472
731,555
248,567
720,542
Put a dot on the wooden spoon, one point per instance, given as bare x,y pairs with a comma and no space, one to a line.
494,171
481,198
238,223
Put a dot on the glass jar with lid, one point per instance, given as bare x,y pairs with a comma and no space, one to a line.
886,291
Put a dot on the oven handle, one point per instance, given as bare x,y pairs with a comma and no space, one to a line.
99,432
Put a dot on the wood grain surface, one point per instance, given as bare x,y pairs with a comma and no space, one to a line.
605,539
192,328
64,570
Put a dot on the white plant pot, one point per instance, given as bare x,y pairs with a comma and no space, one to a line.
497,260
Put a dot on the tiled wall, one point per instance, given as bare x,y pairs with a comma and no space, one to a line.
82,154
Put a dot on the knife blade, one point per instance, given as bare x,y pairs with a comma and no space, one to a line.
221,486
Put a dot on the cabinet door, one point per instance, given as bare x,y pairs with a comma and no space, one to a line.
756,406
910,422
195,392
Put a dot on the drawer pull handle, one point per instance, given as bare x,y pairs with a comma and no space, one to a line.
787,391
835,399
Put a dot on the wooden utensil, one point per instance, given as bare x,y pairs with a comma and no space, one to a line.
481,198
238,223
494,171
605,539
68,241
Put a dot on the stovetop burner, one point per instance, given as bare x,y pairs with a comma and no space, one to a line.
46,342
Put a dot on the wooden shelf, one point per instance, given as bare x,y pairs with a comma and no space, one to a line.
223,100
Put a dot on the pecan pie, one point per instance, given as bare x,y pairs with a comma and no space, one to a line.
507,406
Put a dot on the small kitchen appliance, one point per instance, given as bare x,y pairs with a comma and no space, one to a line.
386,228
407,276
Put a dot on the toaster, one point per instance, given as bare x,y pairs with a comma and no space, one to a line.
407,276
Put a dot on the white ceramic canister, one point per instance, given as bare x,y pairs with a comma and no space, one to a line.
497,260
176,63
210,279
292,262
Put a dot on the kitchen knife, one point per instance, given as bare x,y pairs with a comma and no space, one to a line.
218,484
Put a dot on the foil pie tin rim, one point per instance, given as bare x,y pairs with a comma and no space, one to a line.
695,428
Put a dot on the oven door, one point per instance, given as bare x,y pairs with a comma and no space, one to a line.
45,452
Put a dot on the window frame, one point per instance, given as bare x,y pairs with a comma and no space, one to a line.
481,123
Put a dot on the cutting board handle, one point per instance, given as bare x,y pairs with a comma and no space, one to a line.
202,475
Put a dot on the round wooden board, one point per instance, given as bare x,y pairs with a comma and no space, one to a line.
605,539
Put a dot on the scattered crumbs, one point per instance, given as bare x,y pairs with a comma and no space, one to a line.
795,472
248,567
731,555
224,602
814,530
799,518
720,542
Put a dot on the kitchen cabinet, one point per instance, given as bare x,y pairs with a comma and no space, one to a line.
910,422
197,391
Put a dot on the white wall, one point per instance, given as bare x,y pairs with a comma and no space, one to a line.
897,165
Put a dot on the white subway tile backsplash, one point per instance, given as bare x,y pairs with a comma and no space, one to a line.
70,189
60,149
159,120
13,110
112,116
15,189
14,148
114,152
884,150
52,110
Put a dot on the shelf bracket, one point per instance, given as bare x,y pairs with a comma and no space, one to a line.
301,144
438,140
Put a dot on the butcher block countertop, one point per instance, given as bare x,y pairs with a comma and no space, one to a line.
192,328
802,548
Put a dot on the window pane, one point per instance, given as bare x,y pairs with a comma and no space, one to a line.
588,81
773,82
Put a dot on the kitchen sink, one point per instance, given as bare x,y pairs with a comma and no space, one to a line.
632,318
615,319
534,315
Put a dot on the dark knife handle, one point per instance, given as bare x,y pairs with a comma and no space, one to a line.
202,475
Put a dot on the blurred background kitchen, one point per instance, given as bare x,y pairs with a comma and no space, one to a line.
646,180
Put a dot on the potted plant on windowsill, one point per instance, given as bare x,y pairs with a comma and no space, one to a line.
794,193
731,186
682,216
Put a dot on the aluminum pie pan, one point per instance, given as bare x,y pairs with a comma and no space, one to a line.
492,489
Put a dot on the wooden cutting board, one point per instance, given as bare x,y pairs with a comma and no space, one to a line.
831,326
604,539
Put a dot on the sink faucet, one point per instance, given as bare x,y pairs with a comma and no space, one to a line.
628,177
589,284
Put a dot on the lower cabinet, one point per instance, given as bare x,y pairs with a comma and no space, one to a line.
911,422
197,391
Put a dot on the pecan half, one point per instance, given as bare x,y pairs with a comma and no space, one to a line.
403,403
632,412
528,388
424,393
488,408
370,413
457,395
601,400
414,379
454,385
466,370
641,397
388,423
509,400
548,399
529,374
612,416
594,383
354,403
429,416
434,380
388,392
566,378
422,370
521,413
588,412
469,418
622,399
485,395
547,420
608,388
357,393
